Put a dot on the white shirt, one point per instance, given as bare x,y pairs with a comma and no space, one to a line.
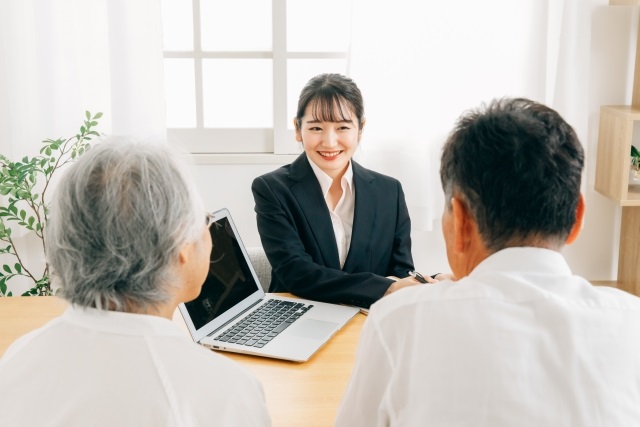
102,368
342,215
519,342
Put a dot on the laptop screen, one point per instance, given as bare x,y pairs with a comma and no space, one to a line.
230,279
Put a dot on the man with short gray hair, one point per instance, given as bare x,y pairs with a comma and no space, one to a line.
517,340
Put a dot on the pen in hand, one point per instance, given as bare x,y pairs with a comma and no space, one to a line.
419,277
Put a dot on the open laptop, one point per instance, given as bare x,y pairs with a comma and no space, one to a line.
229,312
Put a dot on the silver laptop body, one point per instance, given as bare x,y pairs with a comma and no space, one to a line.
232,292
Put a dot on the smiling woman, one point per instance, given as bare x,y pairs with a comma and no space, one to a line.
332,230
329,125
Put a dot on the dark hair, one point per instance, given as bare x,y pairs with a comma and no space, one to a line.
329,94
517,165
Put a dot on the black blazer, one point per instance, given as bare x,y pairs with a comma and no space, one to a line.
296,232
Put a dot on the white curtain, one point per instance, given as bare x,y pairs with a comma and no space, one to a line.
59,58
420,64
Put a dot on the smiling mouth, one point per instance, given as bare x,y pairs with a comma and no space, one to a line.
329,154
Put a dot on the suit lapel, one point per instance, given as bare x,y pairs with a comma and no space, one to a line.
363,219
306,189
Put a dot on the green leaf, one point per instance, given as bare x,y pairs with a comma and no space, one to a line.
19,184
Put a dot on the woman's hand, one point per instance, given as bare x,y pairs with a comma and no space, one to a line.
410,281
401,283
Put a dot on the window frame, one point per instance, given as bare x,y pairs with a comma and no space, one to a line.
279,140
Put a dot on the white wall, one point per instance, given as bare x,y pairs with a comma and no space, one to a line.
594,255
230,186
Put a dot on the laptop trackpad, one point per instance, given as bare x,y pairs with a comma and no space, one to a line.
312,329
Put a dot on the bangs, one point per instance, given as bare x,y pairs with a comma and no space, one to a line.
330,108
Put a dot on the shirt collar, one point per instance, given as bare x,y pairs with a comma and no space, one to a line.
121,323
326,181
525,260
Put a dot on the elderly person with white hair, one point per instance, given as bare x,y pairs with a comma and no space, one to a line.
127,242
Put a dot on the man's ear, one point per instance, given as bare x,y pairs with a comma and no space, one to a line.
462,225
577,226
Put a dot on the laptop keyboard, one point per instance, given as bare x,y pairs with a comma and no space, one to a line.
265,323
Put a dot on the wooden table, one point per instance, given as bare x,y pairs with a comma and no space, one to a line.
297,393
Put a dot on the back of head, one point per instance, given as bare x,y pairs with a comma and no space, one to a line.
119,217
517,165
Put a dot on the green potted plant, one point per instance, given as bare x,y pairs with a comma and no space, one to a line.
24,185
634,175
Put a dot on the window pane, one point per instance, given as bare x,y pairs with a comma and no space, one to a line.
300,71
180,93
177,24
238,93
235,25
318,26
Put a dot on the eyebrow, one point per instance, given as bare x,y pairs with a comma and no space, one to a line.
321,121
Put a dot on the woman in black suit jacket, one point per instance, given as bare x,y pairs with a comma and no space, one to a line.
332,230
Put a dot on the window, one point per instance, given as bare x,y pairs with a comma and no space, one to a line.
234,69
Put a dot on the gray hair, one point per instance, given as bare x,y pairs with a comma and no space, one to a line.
119,217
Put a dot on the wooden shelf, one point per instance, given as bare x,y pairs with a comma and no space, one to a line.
633,196
614,146
626,112
613,163
624,2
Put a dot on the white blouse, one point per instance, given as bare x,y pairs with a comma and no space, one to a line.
342,215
